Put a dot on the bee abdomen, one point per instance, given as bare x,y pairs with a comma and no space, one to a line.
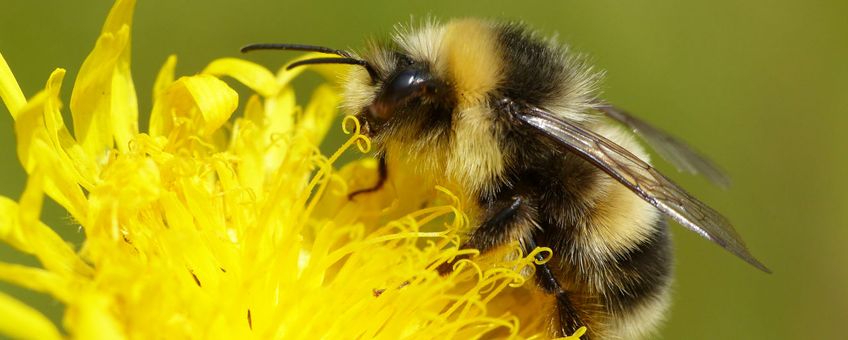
636,292
644,272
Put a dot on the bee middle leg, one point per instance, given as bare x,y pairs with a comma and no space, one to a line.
382,173
502,215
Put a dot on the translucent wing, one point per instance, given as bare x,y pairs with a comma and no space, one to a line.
673,150
641,178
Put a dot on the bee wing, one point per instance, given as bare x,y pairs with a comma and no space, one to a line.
641,178
675,151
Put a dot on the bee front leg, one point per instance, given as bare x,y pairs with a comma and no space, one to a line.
382,173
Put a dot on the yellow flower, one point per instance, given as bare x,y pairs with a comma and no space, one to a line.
214,225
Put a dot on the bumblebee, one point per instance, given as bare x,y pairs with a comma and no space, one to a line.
513,122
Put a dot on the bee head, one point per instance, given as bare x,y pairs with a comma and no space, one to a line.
426,103
408,96
424,97
395,92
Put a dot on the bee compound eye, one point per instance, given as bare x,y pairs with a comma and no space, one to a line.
405,85
397,91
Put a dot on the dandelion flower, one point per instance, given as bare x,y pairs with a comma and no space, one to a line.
214,224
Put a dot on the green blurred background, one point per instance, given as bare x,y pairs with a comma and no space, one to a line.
761,86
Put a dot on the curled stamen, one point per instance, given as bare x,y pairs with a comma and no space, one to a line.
546,253
363,143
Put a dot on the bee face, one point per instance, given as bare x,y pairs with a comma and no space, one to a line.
410,94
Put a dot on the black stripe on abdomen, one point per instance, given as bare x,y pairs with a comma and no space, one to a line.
645,271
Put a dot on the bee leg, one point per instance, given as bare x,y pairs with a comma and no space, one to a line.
382,172
502,216
569,319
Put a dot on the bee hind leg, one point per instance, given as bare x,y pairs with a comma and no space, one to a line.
382,173
569,318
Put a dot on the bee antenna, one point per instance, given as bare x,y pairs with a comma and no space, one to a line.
348,61
347,58
296,47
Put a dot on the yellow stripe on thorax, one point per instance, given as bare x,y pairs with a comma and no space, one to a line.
472,58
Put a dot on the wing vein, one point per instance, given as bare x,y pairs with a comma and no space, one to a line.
641,178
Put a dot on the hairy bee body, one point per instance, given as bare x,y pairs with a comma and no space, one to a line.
611,249
511,123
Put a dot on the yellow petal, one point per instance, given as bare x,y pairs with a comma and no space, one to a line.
278,114
21,321
123,106
202,101
71,153
20,227
10,91
120,15
92,318
10,231
175,212
247,143
215,99
273,121
103,103
35,279
29,125
36,149
165,77
319,114
252,75
60,182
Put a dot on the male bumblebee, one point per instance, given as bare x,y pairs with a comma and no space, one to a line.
512,122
